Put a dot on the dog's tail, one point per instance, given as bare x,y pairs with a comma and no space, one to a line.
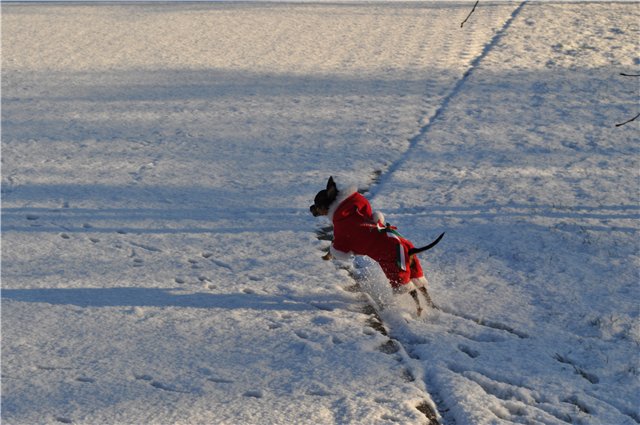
413,251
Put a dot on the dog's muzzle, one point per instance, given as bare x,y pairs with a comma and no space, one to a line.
314,210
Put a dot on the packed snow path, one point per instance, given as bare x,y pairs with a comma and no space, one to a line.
159,264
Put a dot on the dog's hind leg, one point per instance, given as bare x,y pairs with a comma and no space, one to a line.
426,296
414,295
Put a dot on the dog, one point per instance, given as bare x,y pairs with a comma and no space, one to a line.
359,231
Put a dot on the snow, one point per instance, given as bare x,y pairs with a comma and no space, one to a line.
160,264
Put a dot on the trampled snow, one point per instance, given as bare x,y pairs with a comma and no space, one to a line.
160,265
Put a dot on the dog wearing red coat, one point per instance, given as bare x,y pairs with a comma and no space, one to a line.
357,230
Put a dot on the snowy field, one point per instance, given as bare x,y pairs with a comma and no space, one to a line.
160,265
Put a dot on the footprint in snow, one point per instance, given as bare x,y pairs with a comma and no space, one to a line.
165,387
468,351
220,380
390,418
254,394
389,347
274,325
194,264
302,334
157,384
211,376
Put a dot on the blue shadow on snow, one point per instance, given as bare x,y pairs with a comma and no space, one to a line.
158,297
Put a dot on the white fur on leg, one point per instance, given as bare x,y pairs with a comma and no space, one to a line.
403,289
420,282
340,255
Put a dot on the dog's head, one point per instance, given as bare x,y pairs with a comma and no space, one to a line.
324,199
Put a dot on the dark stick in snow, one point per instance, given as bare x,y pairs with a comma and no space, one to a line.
470,13
628,121
624,74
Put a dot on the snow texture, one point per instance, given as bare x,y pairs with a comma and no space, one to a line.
160,265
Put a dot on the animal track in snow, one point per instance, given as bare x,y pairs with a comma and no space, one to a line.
254,394
489,336
390,418
320,392
157,384
302,334
580,371
468,351
582,406
194,264
52,368
221,264
212,378
486,323
165,387
220,380
517,400
374,321
389,347
146,247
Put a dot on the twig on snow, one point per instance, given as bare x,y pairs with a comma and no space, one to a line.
628,121
470,13
624,74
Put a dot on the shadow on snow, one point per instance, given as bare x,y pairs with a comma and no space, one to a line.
157,297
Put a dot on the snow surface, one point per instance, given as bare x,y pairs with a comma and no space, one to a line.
160,265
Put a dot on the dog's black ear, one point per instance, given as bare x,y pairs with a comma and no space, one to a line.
330,183
332,189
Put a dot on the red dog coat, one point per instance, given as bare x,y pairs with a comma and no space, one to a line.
356,231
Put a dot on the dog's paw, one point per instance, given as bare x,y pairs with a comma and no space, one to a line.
327,256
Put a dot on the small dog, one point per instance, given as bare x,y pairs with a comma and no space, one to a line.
359,231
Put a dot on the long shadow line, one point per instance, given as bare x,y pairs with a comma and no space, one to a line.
159,297
457,88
